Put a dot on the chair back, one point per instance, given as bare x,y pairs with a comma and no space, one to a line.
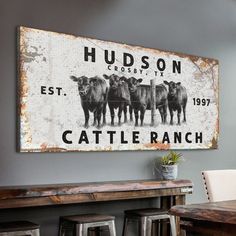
220,184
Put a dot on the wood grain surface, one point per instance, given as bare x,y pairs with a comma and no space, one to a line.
222,212
42,195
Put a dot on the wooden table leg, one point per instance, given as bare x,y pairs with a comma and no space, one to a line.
179,200
166,202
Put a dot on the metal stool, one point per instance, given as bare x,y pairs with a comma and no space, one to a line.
19,228
79,225
145,218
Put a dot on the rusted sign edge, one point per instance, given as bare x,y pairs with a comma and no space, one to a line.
24,128
215,139
129,46
23,89
18,146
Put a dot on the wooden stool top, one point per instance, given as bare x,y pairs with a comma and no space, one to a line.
17,226
145,212
88,218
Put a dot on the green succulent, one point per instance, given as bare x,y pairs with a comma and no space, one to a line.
171,158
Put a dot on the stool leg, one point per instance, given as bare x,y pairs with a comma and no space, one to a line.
79,230
85,230
125,226
35,232
145,226
173,226
112,228
149,227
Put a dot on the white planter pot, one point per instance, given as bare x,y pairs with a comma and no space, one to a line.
169,172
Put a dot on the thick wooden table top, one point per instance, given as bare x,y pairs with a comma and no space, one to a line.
222,212
39,195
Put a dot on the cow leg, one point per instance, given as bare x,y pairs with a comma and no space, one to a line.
171,116
125,113
94,118
142,113
184,112
86,115
136,116
99,115
112,114
165,112
178,115
161,114
131,113
104,113
121,108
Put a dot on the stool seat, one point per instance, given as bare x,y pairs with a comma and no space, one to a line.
15,228
81,225
146,218
145,212
88,218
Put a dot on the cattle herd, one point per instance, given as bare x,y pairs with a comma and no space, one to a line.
128,93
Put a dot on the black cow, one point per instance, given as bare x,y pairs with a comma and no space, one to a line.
141,99
118,97
177,100
93,93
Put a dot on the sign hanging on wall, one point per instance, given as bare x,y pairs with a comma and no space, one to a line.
82,94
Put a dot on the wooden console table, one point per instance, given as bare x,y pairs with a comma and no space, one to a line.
55,194
170,193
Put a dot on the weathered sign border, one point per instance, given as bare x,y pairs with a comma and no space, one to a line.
24,121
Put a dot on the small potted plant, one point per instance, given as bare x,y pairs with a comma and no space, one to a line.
169,165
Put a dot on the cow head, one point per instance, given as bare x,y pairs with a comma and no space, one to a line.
123,79
133,84
94,81
172,87
84,84
114,81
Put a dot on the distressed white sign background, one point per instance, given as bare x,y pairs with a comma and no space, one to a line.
48,59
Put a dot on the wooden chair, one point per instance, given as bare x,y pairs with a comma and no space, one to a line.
79,225
220,184
19,228
146,218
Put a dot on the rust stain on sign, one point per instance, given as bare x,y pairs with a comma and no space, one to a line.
159,146
75,93
23,92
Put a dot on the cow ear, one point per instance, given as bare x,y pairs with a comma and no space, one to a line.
140,80
106,76
165,82
123,78
179,83
74,78
93,80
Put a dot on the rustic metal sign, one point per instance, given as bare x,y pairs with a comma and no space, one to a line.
82,94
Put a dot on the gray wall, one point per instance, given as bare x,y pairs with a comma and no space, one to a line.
206,28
